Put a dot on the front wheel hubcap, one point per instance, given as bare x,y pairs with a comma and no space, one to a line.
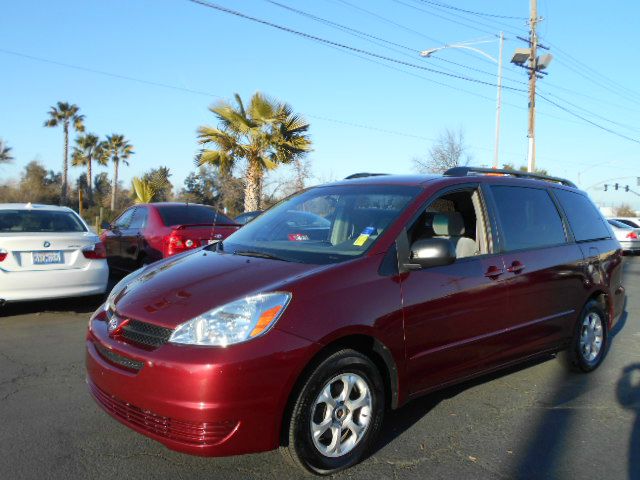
341,414
591,337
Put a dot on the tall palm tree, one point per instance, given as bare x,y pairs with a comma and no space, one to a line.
118,149
5,152
66,115
266,135
88,149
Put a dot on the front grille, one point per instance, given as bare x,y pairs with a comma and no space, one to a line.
205,433
118,359
145,333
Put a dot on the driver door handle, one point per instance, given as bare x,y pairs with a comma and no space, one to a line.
493,272
516,267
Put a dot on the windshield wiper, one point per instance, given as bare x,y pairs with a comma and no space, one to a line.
252,253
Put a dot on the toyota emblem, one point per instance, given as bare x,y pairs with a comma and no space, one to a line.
46,244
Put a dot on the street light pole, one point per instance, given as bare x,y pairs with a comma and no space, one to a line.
467,46
499,105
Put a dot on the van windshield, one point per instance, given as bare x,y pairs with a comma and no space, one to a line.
322,225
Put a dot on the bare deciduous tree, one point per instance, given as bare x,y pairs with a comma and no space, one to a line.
625,210
447,152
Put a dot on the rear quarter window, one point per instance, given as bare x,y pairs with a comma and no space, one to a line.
585,220
528,217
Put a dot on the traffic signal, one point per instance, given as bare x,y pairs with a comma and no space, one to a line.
615,185
605,187
626,188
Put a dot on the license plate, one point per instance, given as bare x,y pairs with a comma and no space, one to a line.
46,258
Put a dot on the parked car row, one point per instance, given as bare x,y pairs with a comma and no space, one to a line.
49,252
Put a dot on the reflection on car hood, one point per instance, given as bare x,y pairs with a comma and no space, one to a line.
180,288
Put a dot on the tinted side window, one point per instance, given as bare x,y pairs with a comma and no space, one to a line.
528,217
139,219
584,218
124,219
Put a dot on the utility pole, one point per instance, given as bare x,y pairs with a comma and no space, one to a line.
499,104
533,69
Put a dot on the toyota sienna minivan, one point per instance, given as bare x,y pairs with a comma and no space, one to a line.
301,335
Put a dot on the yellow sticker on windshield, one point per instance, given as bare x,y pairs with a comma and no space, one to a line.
364,236
360,240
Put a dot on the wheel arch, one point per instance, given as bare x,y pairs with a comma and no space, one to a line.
367,345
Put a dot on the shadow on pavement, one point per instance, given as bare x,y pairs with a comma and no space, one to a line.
628,393
398,421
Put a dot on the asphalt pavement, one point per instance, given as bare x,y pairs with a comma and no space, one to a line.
538,421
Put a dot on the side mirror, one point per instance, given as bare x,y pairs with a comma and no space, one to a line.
105,225
431,252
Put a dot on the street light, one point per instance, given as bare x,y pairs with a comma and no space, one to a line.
468,46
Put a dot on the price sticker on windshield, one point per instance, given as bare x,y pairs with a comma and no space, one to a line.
364,236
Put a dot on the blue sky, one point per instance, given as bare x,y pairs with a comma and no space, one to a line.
365,115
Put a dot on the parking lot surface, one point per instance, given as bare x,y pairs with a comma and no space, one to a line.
537,421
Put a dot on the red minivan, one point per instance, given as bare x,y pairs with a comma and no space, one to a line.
145,233
346,300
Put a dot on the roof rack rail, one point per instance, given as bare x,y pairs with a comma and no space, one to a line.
465,171
363,175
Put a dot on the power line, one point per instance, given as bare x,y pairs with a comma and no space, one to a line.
475,22
482,14
360,34
601,127
343,46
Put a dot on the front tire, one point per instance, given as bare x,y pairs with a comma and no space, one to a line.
337,415
590,339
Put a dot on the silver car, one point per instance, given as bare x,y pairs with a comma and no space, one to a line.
628,236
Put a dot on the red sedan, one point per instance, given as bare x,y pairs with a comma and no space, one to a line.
145,233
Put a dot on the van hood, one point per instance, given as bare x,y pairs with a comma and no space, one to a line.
180,288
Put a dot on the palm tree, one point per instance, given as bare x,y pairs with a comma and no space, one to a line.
144,190
88,148
65,115
118,149
266,135
5,155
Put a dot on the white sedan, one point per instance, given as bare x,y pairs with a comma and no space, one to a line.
628,237
48,252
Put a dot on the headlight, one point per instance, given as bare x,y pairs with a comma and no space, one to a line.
120,286
234,322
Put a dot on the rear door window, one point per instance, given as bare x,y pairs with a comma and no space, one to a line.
123,220
528,217
139,219
585,220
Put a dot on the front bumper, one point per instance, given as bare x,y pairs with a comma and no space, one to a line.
50,284
209,401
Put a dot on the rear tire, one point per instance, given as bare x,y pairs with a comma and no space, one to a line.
337,414
590,338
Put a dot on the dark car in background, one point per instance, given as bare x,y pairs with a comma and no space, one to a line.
246,217
350,299
145,233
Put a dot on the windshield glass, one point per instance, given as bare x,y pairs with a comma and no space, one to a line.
191,215
322,225
33,221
